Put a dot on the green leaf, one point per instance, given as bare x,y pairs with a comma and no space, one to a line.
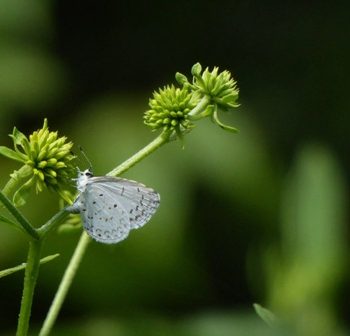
22,266
19,139
265,314
21,195
219,123
11,154
17,136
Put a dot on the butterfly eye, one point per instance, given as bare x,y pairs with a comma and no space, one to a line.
88,174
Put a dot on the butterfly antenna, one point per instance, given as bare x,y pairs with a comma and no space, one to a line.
85,157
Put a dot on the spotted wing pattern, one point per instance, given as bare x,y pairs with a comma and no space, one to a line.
110,207
139,201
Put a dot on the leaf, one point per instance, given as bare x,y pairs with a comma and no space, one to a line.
219,123
21,195
266,315
11,154
18,137
22,266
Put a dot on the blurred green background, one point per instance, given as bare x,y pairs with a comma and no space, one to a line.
261,216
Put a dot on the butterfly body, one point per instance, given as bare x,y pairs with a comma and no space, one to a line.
110,206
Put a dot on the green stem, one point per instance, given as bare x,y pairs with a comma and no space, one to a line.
53,222
28,228
11,270
65,284
30,278
75,261
200,107
150,148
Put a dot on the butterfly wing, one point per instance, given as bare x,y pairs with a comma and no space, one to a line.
104,218
139,201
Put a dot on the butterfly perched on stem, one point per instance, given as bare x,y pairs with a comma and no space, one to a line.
111,206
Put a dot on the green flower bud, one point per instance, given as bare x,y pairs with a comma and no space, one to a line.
180,78
220,87
169,109
196,69
216,91
48,157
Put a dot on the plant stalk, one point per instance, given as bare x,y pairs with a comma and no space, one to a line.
30,278
141,154
28,228
200,107
58,218
65,285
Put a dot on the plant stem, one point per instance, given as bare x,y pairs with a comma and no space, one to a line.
12,184
28,228
200,107
65,285
78,254
31,275
51,223
150,148
11,270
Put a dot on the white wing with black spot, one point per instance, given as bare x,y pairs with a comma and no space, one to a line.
110,207
139,201
103,218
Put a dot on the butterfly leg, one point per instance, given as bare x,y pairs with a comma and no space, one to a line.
75,207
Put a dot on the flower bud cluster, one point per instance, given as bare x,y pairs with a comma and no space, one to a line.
50,157
47,159
219,86
169,108
176,109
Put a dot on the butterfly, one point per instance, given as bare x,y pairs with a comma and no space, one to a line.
111,206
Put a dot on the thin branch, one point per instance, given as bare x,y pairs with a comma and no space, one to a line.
65,284
20,218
